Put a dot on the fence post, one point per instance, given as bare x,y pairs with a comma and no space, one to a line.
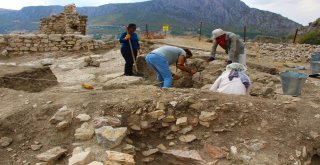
244,33
200,33
295,36
147,30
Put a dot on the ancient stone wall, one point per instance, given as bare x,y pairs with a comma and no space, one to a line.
28,43
68,22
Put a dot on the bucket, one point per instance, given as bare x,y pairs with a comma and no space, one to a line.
315,63
293,82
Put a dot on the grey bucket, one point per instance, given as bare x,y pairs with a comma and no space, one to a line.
315,63
293,82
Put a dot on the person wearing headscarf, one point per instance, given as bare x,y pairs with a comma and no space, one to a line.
233,81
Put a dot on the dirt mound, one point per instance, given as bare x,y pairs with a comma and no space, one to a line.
31,79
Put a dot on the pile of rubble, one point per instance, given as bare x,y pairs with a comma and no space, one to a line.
285,52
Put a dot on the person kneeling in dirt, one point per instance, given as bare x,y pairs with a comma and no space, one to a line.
231,43
233,81
160,59
126,49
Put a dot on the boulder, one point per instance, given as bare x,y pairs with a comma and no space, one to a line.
36,147
83,117
85,132
169,119
183,157
106,121
51,155
5,141
182,121
187,138
110,137
150,152
156,114
207,116
4,52
215,152
63,114
118,158
63,125
81,157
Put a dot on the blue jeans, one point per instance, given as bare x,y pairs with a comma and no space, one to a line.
160,65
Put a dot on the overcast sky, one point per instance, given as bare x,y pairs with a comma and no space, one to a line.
301,11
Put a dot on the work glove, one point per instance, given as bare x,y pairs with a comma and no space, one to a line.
128,36
210,59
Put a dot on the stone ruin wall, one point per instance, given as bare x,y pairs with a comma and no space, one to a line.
68,22
64,32
17,44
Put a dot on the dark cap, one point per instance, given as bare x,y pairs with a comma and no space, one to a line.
132,25
188,52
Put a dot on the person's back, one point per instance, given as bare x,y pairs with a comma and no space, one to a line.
233,81
224,85
170,53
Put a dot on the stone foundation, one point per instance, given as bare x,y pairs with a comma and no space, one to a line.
16,44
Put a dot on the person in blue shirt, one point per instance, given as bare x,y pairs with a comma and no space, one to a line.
126,50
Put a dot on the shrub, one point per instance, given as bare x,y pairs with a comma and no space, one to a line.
312,38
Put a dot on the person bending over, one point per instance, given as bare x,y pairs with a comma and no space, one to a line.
160,59
233,81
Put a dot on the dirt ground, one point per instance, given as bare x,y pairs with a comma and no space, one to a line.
266,127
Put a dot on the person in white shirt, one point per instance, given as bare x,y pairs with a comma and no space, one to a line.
233,81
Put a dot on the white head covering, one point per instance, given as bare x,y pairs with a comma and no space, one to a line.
236,66
217,33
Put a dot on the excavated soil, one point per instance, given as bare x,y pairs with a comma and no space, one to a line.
284,124
31,79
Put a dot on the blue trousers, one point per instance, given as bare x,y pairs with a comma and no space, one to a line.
161,66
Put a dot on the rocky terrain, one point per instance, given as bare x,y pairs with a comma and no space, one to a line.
313,26
129,120
285,52
64,100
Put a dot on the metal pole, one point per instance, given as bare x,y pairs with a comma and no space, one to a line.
295,36
147,30
244,33
200,33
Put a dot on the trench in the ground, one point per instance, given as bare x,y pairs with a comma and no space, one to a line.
265,79
315,160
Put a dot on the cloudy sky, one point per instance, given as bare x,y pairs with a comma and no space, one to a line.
301,11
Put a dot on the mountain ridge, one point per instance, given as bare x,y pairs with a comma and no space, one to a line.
182,15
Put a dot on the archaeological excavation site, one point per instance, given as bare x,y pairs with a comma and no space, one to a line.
64,100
